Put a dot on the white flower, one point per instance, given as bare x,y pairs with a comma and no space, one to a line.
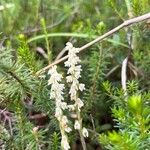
71,70
68,129
52,94
42,76
64,143
64,105
69,45
73,89
57,94
55,76
79,103
58,113
69,79
71,107
77,125
81,87
64,120
77,75
85,132
73,58
52,70
74,73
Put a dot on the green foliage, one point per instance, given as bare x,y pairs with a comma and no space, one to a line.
96,73
55,141
18,84
25,55
132,123
43,24
33,33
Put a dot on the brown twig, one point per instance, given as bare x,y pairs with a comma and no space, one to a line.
112,71
63,51
100,38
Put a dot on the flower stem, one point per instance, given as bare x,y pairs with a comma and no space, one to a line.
80,131
82,140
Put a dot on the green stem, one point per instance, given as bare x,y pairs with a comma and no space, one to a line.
77,35
95,77
46,39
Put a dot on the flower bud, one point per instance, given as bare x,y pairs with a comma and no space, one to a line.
77,125
85,132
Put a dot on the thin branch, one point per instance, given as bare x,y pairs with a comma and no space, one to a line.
47,27
112,71
42,52
100,38
62,52
132,67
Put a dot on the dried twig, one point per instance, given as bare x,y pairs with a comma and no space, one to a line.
135,70
63,51
100,38
124,75
42,52
112,71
